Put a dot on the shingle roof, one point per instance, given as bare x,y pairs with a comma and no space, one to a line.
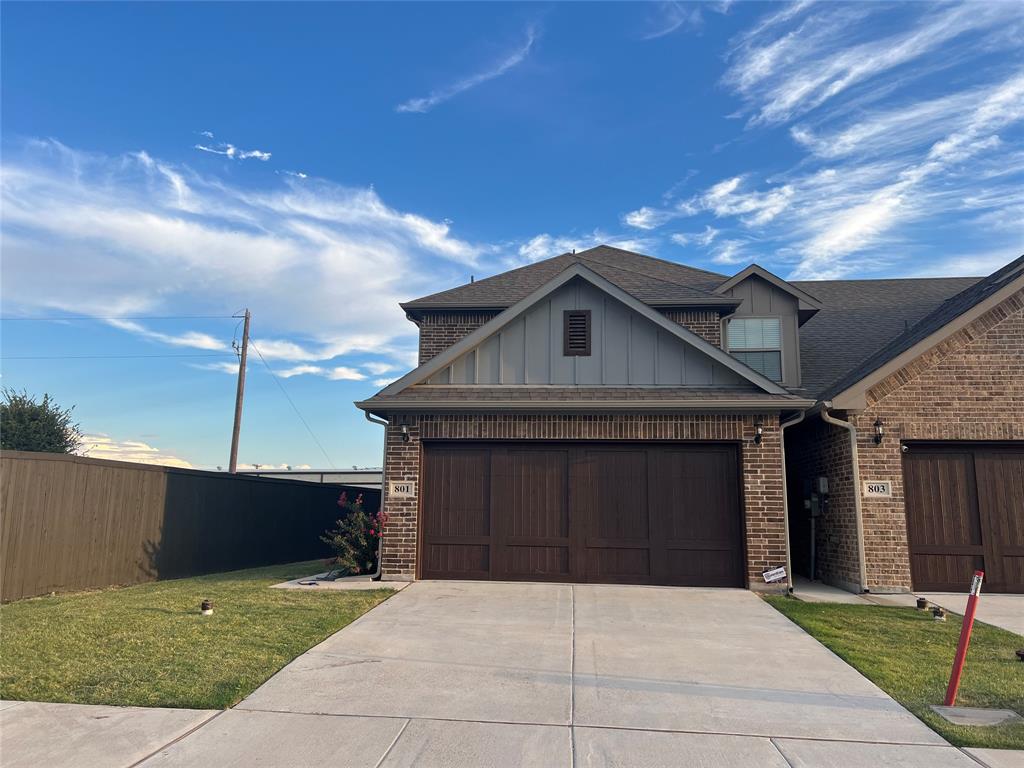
858,317
946,312
862,323
652,281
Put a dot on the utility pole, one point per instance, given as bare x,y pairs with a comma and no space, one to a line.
239,394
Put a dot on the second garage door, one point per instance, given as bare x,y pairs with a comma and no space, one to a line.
965,511
622,513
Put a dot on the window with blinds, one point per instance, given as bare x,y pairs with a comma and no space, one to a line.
757,342
576,332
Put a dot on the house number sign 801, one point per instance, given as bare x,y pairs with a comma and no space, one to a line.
401,489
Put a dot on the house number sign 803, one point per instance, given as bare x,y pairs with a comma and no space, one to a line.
878,488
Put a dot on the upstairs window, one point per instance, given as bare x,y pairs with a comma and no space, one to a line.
757,341
576,332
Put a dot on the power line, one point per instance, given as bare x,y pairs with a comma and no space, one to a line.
106,357
292,402
118,317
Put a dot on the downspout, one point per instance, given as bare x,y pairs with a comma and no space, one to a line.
383,489
785,492
858,513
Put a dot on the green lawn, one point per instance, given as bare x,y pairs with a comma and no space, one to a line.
148,645
909,655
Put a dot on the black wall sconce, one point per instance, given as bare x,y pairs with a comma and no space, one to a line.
758,433
879,431
405,434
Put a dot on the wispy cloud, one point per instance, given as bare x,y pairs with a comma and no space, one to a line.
230,150
823,53
885,163
441,95
667,17
100,446
193,339
703,239
323,266
377,368
544,246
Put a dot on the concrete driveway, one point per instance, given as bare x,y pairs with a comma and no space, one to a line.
479,674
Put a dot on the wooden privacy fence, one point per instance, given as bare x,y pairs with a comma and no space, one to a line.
69,522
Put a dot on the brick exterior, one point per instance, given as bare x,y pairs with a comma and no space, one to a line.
439,330
968,387
706,323
761,467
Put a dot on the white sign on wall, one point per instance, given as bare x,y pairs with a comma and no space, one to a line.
878,488
775,574
402,489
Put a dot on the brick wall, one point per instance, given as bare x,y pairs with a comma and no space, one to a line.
969,387
706,323
439,330
762,470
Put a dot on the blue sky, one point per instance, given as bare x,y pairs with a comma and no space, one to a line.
319,163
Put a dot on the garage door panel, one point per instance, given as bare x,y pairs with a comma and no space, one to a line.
1001,504
457,532
700,567
613,565
533,493
455,561
531,503
613,486
941,503
533,562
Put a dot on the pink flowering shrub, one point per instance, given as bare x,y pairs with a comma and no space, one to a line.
356,539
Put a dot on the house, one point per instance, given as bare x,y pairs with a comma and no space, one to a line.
606,416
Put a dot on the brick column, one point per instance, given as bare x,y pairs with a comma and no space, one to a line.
401,463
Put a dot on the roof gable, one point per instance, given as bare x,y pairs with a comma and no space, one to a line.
578,270
807,305
624,349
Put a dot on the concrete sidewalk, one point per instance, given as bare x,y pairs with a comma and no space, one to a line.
1000,610
489,674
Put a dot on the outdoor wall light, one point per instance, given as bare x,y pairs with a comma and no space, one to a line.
879,431
405,434
758,433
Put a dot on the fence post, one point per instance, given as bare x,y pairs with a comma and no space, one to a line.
965,639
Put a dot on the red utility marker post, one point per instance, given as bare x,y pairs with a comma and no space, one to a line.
965,638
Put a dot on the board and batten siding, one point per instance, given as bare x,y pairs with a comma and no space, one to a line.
626,349
762,299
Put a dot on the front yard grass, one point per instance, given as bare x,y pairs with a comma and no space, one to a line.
909,655
148,645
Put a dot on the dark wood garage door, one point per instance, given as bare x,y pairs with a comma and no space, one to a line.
643,514
965,511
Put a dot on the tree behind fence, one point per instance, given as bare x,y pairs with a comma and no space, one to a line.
69,522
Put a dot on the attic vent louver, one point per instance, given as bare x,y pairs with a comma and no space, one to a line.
577,332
